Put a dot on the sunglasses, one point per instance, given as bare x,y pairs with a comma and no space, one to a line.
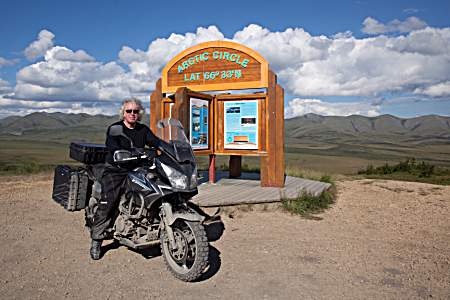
134,111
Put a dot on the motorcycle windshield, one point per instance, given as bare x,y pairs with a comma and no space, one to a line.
175,142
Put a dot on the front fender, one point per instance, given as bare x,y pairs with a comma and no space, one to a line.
188,215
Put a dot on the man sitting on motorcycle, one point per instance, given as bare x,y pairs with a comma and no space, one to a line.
114,175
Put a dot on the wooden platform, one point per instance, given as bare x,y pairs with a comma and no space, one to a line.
247,190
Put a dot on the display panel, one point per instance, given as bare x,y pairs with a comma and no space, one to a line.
199,120
241,124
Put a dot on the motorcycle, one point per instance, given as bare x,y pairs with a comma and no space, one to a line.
154,206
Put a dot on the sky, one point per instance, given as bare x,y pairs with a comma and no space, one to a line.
331,57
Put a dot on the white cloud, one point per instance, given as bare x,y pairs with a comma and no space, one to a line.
64,54
24,107
298,107
5,87
40,46
410,10
307,66
68,76
437,90
7,62
145,66
347,66
373,26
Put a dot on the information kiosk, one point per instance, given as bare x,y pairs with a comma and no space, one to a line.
236,124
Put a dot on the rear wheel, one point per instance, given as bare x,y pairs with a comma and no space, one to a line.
189,258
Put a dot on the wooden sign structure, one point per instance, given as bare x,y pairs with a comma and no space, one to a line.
247,124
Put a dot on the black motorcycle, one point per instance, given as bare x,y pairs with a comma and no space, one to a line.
154,206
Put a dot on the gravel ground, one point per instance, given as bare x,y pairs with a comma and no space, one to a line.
381,240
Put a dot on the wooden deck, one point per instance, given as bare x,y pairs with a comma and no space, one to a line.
247,190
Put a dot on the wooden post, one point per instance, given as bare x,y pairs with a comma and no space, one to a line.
181,108
235,166
279,148
212,168
155,106
272,165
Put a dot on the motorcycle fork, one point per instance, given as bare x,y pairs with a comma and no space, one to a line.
167,211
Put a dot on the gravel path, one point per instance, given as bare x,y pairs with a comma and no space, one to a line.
381,240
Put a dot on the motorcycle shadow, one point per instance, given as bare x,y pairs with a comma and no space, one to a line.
214,231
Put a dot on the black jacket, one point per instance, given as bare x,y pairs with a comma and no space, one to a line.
141,136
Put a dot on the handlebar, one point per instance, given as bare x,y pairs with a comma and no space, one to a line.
123,156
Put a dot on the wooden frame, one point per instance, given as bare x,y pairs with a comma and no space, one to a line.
270,113
219,121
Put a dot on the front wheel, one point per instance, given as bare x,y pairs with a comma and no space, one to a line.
189,258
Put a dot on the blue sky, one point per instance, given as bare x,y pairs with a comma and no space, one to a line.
332,57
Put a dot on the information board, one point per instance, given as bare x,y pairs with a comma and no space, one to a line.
199,123
241,124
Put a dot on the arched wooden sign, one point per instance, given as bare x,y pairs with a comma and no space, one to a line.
214,66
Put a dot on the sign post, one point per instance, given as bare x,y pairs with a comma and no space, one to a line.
236,125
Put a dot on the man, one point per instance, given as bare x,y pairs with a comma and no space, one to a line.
114,175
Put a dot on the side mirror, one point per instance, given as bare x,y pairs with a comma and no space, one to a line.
160,124
116,130
121,155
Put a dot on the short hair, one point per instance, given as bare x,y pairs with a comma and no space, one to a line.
132,100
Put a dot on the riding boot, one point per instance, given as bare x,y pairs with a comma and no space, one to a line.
96,249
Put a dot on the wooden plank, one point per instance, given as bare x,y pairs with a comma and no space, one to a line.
238,191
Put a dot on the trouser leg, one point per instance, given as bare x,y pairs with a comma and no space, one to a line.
112,182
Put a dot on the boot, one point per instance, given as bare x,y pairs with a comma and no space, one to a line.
96,249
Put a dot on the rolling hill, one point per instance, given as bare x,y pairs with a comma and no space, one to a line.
325,143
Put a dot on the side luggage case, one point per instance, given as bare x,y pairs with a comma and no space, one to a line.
71,187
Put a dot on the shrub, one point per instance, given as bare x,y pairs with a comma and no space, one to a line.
307,205
409,166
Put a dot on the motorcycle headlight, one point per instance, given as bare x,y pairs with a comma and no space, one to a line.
177,180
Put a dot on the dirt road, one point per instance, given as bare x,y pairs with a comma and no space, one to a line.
381,240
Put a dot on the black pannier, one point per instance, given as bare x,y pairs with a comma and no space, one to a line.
87,153
71,187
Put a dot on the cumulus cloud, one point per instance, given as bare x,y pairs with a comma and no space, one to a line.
70,76
308,67
298,107
146,66
40,46
347,66
5,87
373,26
64,54
438,90
75,75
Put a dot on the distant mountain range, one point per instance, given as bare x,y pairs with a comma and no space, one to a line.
359,129
57,121
309,128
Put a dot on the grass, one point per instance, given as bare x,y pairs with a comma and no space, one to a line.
409,170
22,168
307,205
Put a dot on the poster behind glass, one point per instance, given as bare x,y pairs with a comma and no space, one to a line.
199,123
241,124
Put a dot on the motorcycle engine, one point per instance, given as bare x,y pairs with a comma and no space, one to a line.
130,216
